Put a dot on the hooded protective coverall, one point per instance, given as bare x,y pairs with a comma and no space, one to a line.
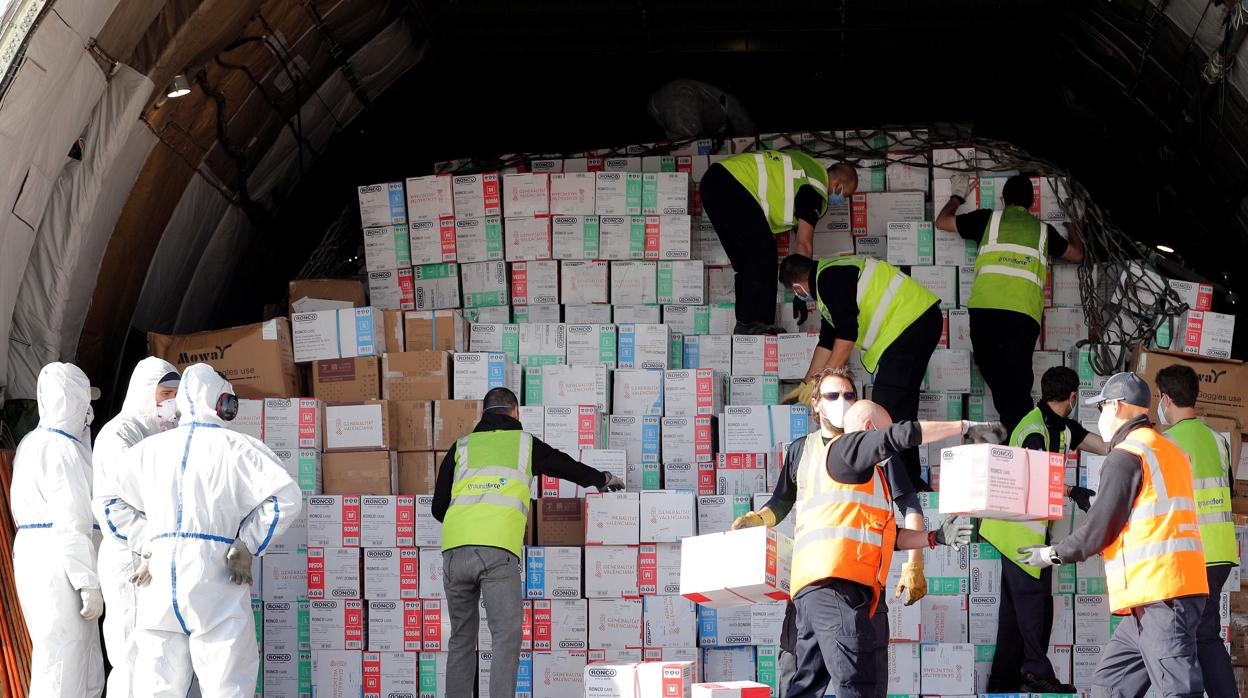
117,563
202,487
54,553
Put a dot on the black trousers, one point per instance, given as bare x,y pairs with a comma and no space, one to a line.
1215,663
1003,342
1024,623
747,239
899,377
1155,646
839,643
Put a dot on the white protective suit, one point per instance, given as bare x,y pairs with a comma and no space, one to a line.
54,553
117,563
201,487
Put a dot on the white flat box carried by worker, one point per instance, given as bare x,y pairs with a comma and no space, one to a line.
552,572
753,390
477,195
634,283
284,576
391,574
559,674
755,355
569,386
637,314
1084,661
637,436
395,626
615,623
952,250
526,194
910,243
1063,327
476,373
871,212
388,247
667,517
535,283
689,439
793,354
709,249
542,343
594,314
637,392
658,569
431,574
940,406
944,618
689,392
1091,619
669,237
430,242
643,346
560,625
709,351
740,473
746,429
583,282
573,428
622,237
292,423
611,571
949,370
572,194
721,664
681,282
429,198
337,673
617,193
948,669
336,624
334,573
759,573
1003,482
940,280
1205,334
333,520
665,193
479,239
390,674
985,569
716,512
526,239
591,344
983,610
612,518
382,204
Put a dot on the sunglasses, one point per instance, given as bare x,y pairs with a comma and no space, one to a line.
833,395
1100,406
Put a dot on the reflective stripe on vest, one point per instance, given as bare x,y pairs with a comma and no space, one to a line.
773,178
1211,484
1158,554
888,303
842,531
1011,275
490,491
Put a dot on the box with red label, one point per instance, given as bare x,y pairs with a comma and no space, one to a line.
395,626
736,568
485,639
292,423
1206,334
526,238
615,623
432,242
612,518
746,429
526,194
334,573
476,195
431,575
560,625
333,520
689,392
1000,482
336,624
391,573
755,355
388,674
666,679
387,521
667,516
435,625
689,439
740,473
535,283
1197,296
570,429
731,689
429,198
610,571
669,237
392,289
871,212
658,569
669,621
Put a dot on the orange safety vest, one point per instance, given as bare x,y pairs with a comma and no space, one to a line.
842,531
1158,554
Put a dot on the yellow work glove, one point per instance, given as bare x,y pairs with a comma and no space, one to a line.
913,584
799,395
750,519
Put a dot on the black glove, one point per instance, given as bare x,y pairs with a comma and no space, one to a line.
1081,496
800,310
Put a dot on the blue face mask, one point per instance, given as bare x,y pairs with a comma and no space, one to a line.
837,198
802,296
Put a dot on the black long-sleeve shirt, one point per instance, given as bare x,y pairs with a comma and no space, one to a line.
1056,424
546,461
838,288
1121,476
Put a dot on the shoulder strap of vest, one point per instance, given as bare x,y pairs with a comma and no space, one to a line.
760,164
994,226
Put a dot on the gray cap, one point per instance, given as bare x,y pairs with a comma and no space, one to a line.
1127,387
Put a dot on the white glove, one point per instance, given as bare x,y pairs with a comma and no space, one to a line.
613,483
238,561
142,576
961,186
1040,556
983,432
92,603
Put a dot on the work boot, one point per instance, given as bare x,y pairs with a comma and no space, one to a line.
743,327
996,685
1036,684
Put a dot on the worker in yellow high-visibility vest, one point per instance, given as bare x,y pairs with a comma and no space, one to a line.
753,197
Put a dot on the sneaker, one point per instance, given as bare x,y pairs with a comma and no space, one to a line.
1036,684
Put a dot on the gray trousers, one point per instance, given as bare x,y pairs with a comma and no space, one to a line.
1154,646
839,643
472,573
1215,663
879,621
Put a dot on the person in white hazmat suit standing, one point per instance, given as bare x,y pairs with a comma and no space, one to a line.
148,409
54,553
213,498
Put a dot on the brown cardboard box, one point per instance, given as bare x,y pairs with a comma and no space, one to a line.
453,419
411,425
394,330
348,290
347,380
435,330
359,472
348,427
1223,383
258,360
416,375
561,522
417,472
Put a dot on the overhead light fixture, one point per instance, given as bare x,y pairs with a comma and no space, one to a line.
178,87
1165,248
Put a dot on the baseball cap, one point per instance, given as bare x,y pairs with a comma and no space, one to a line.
1126,387
170,380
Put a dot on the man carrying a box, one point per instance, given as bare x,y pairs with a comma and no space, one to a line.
891,318
1025,620
482,499
752,197
1209,454
1007,299
1144,523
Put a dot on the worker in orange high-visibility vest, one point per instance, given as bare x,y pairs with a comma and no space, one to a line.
1144,524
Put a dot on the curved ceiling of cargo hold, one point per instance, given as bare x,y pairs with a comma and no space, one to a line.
176,205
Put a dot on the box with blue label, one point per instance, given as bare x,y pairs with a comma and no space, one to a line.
636,435
552,572
709,351
382,204
476,373
643,346
485,663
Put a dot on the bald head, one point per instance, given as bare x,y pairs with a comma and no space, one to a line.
866,415
845,175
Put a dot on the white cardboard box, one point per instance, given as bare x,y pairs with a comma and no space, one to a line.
559,674
681,282
571,429
949,370
755,355
395,626
709,351
716,512
1091,619
526,238
382,204
560,625
355,427
643,346
476,373
952,250
910,243
1003,482
572,386
572,193
477,195
618,193
387,247
728,664
689,439
615,624
336,624
665,193
542,343
584,282
943,281
637,436
337,673
284,576
637,392
429,242
793,354
485,284
760,571
658,569
610,572
903,668
333,520
1206,334
634,283
746,429
944,618
637,314
334,573
689,392
526,194
387,521
983,612
948,669
390,674
622,237
600,314
667,517
871,212
612,518
740,473
535,283
431,574
1063,327
429,198
292,423
391,574
479,239
669,621
553,572
669,237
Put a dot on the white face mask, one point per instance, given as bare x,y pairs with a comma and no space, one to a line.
1105,424
834,412
167,413
1161,413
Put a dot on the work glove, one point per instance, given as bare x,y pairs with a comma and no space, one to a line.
801,311
142,576
954,533
961,186
913,584
613,483
983,432
238,562
1081,496
92,603
1040,556
799,395
750,519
